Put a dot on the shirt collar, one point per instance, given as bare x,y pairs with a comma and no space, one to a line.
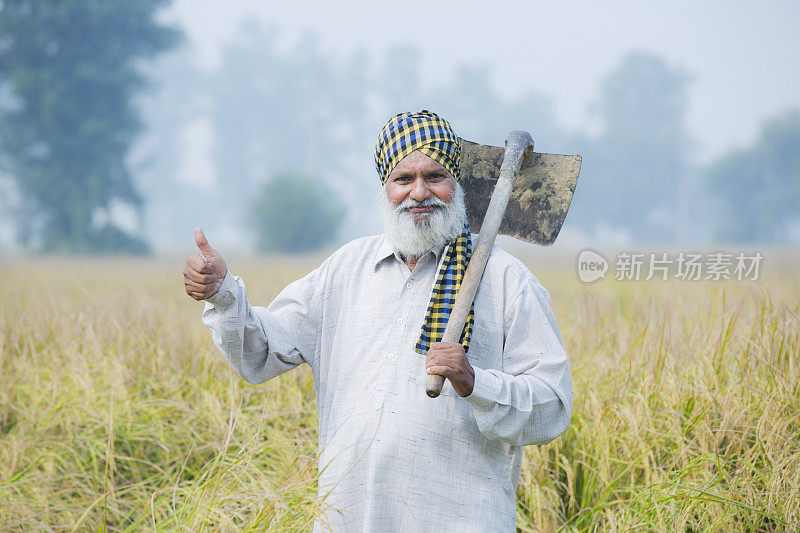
386,250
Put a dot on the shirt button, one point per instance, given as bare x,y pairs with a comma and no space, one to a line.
391,356
399,320
409,284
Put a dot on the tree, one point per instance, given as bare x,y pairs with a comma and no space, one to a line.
293,213
634,174
296,112
758,188
73,68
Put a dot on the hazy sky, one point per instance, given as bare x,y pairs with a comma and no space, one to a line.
743,56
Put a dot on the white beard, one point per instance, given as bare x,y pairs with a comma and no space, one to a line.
414,238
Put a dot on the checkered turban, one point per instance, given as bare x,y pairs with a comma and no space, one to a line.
424,131
432,135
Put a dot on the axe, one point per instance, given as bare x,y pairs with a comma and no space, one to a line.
532,193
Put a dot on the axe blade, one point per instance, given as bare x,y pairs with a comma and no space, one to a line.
541,196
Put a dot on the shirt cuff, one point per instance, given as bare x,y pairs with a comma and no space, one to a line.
224,296
484,389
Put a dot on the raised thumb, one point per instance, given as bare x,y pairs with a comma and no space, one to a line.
201,241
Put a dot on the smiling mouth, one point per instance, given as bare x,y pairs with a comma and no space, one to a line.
422,209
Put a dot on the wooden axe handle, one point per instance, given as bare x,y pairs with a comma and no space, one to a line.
517,144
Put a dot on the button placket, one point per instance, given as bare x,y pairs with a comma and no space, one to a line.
393,344
398,362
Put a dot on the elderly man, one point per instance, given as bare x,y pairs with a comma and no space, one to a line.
368,321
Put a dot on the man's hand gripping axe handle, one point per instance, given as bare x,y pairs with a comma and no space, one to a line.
518,143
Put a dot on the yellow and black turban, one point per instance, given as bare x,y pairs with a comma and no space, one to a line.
433,136
424,131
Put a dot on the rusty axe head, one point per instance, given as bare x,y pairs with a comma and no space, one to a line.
541,196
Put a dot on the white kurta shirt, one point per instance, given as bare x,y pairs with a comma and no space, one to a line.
391,458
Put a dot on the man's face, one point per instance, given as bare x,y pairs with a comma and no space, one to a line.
423,206
421,182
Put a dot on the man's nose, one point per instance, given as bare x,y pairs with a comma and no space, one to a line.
419,190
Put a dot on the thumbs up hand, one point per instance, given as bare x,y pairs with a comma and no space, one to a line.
204,271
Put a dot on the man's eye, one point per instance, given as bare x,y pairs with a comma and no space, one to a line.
435,177
402,179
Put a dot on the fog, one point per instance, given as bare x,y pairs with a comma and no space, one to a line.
685,113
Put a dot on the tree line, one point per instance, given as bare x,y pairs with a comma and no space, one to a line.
94,115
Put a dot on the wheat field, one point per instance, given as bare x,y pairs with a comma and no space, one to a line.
117,412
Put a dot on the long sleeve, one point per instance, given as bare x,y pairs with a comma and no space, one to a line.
261,343
529,401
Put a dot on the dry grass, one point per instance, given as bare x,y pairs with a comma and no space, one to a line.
116,411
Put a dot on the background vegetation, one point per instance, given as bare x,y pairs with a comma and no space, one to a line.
112,137
70,70
117,412
295,213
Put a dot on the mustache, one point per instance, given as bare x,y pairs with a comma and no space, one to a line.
408,203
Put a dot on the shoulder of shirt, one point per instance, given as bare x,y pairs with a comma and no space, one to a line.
360,250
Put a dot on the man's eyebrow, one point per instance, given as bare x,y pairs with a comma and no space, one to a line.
438,172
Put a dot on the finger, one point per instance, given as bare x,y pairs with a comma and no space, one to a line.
441,355
199,264
196,295
446,347
205,290
439,359
432,357
199,287
441,370
193,291
201,241
439,345
201,279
